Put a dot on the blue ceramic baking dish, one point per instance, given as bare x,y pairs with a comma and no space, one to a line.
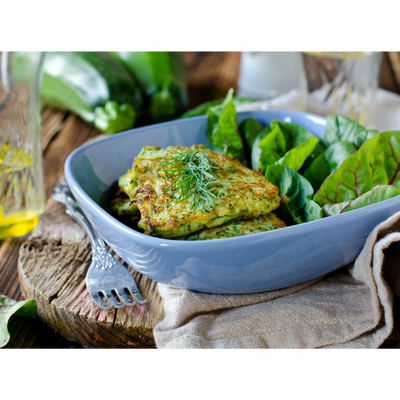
253,263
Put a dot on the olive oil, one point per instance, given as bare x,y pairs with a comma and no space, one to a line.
21,192
18,223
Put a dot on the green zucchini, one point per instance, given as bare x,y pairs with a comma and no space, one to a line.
162,80
94,86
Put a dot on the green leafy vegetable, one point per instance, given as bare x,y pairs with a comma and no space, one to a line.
202,108
294,134
327,162
375,195
213,114
249,129
9,307
339,127
274,141
389,151
288,145
376,162
338,152
256,149
223,133
298,206
295,157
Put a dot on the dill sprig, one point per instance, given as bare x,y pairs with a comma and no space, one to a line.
194,175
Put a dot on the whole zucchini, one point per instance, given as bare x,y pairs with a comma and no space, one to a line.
94,86
162,80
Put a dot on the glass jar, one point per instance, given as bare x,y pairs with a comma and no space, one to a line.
22,197
343,83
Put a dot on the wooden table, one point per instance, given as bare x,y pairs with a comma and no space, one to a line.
209,76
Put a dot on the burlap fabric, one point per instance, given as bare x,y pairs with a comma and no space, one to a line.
349,308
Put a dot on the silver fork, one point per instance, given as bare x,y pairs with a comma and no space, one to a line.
106,275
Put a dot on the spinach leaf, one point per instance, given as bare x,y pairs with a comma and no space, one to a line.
298,206
375,195
327,162
202,108
226,135
339,127
213,114
294,134
376,162
389,150
295,157
8,307
286,144
318,171
338,152
256,149
319,149
249,129
274,141
222,131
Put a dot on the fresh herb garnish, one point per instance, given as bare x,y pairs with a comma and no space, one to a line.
194,175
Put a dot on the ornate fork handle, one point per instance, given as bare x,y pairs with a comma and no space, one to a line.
101,257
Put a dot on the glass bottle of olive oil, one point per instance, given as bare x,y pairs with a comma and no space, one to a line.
21,193
21,171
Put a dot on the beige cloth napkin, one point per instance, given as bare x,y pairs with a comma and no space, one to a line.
349,308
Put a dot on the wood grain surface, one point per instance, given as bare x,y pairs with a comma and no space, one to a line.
209,76
52,270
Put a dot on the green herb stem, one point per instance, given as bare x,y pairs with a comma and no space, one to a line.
193,174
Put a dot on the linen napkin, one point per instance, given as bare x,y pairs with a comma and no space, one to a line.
349,308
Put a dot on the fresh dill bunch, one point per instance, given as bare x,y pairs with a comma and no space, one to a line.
193,174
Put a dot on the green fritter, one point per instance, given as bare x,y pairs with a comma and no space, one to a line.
259,224
122,207
237,193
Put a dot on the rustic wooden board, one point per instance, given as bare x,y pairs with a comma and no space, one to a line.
52,269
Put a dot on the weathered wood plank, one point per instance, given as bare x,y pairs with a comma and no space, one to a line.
52,269
52,123
387,78
8,272
72,135
210,75
394,58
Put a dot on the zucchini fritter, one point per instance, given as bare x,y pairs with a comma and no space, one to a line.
242,194
259,224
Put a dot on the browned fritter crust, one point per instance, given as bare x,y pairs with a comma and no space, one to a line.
243,193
